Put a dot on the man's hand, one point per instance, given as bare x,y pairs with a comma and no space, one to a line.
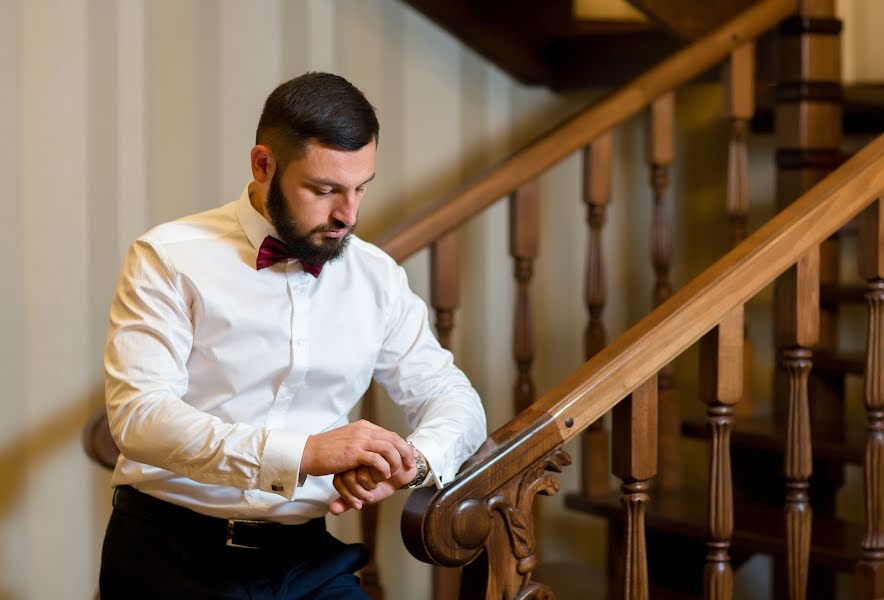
364,485
359,444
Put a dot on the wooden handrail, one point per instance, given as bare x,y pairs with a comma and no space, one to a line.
533,160
603,381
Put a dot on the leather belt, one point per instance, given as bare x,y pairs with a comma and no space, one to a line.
237,533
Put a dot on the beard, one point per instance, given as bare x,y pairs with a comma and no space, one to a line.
290,230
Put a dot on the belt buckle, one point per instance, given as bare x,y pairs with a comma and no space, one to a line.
231,532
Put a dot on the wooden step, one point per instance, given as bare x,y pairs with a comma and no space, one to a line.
573,581
847,363
832,295
760,528
837,442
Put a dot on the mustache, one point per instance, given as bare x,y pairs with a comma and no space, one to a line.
334,225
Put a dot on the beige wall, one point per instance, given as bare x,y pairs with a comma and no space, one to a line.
118,115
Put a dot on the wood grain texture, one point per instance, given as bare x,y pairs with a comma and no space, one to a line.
739,83
721,383
870,253
369,517
445,300
635,463
524,242
797,468
445,285
598,167
527,164
870,569
632,359
797,297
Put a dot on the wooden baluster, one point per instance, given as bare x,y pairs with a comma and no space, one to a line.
445,286
808,115
870,568
524,237
740,106
739,96
445,298
369,515
660,150
797,294
721,383
635,463
597,168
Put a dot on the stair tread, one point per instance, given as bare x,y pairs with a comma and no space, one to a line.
573,581
757,527
838,441
851,363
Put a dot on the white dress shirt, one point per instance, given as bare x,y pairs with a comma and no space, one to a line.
216,372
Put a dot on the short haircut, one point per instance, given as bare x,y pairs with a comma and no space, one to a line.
316,106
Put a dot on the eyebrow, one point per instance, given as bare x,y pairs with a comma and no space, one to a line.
335,184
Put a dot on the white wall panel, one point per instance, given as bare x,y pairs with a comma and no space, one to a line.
56,375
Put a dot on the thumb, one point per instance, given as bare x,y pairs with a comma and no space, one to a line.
338,506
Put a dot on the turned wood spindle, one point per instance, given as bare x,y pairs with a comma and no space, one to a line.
445,286
597,167
445,298
740,105
797,293
635,463
660,152
721,382
870,569
739,100
524,239
369,515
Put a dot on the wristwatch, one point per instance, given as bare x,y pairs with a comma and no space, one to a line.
422,469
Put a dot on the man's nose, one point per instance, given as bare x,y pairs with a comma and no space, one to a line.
346,210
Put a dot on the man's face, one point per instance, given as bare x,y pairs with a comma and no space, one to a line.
315,202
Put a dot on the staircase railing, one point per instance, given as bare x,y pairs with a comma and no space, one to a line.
485,513
483,519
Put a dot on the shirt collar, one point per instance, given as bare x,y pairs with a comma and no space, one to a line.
253,223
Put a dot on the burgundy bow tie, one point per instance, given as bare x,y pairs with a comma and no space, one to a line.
273,251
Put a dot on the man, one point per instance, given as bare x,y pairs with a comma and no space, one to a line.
239,341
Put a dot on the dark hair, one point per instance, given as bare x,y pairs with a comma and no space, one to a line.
316,106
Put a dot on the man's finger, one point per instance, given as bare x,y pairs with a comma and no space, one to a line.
338,506
346,494
365,478
356,488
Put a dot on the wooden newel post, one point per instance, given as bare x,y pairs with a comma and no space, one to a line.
635,463
870,569
797,298
721,387
524,241
597,166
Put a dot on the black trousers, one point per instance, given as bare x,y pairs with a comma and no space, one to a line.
153,549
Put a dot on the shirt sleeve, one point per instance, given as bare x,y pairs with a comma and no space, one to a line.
149,340
440,404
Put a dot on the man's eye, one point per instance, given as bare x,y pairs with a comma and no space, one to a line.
321,192
360,190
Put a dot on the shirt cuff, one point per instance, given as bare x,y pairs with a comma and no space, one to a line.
281,462
433,455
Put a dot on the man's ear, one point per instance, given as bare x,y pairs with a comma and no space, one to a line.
263,163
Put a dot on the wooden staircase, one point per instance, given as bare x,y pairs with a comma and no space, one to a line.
772,480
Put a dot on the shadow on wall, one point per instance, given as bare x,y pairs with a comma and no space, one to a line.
41,442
